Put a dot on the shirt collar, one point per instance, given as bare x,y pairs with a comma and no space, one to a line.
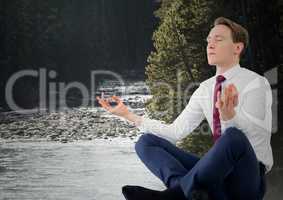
231,72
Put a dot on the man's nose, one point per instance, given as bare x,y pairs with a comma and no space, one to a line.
210,45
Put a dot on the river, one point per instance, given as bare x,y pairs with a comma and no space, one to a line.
80,170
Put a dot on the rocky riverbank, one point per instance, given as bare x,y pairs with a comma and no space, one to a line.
84,123
74,124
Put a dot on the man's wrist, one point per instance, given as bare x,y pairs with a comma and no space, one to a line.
229,117
229,123
133,118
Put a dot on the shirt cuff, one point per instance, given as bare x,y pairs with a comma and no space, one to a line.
141,126
229,123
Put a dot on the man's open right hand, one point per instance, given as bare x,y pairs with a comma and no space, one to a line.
120,109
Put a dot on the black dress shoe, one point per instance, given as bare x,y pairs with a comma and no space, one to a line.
200,194
132,192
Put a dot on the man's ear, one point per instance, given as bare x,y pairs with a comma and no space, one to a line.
239,47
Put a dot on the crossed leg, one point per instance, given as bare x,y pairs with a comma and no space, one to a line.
229,170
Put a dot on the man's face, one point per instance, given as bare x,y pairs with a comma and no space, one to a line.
221,50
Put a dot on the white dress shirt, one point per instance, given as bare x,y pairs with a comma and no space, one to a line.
253,112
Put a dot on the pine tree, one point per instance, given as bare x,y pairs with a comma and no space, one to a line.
178,62
179,58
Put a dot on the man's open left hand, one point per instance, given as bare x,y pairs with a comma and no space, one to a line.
227,102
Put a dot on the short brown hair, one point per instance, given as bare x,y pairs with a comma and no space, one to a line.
239,33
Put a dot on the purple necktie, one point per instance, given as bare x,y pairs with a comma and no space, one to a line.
216,120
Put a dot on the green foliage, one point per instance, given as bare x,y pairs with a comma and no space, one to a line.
35,24
196,144
161,13
179,59
179,63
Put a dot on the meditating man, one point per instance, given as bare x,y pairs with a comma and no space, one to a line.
237,105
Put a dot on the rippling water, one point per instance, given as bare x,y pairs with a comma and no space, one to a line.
82,170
